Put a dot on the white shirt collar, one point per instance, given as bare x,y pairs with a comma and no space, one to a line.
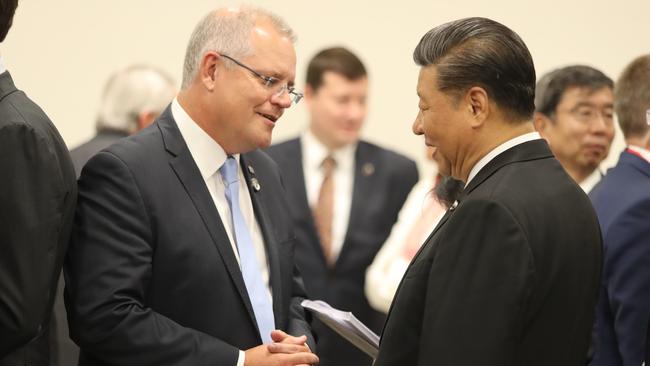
2,66
208,155
645,153
498,150
315,152
588,183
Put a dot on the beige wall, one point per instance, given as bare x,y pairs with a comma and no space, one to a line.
61,52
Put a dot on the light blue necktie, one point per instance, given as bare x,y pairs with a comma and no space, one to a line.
250,267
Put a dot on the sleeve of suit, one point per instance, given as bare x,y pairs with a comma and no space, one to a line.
299,319
108,270
31,201
476,289
626,276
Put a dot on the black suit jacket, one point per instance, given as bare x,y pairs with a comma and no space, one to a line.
66,352
103,139
151,277
382,181
509,277
37,198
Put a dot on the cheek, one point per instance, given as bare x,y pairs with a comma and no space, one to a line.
429,126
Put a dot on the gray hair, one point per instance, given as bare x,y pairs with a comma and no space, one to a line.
632,97
130,92
551,87
227,31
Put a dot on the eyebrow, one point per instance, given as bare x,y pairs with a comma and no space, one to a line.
589,104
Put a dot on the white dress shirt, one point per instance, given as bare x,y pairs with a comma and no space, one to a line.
498,150
2,66
588,183
313,153
209,156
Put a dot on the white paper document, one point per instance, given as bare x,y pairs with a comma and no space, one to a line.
346,325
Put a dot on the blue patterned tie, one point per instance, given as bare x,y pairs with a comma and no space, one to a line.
250,268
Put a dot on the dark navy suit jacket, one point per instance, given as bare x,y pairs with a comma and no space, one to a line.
151,277
622,202
382,180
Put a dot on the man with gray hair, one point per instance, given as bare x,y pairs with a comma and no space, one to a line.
182,252
132,99
574,112
622,202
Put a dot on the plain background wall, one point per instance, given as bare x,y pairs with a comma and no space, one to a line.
62,52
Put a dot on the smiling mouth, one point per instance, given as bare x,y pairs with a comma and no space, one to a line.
270,117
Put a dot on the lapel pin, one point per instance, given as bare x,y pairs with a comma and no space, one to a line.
256,184
453,206
251,170
368,169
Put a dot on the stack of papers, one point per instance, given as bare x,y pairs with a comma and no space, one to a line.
346,325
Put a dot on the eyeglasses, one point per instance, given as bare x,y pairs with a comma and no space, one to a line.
272,83
589,113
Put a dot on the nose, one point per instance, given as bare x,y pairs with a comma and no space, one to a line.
356,111
417,125
600,123
282,99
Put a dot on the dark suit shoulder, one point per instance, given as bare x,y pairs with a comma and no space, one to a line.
141,146
397,168
18,111
393,156
82,153
286,150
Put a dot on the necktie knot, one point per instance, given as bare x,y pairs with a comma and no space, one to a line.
229,171
328,164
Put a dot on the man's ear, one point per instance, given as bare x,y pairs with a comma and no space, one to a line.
309,93
208,69
541,123
478,105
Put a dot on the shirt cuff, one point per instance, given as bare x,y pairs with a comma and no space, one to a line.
242,358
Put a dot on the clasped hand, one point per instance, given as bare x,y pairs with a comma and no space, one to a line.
286,350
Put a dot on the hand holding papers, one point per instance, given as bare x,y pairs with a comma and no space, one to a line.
346,325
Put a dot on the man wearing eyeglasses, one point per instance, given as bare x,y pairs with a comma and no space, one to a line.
574,112
346,194
182,253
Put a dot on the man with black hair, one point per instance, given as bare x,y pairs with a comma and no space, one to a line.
37,197
510,274
574,112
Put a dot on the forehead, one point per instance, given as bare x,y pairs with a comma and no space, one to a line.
272,52
427,81
603,96
333,81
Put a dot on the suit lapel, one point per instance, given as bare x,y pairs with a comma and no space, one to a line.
426,243
531,150
188,173
248,163
294,179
